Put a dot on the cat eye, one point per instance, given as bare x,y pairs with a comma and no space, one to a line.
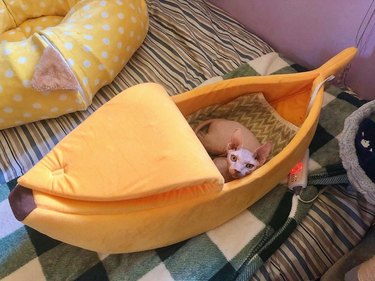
249,166
233,158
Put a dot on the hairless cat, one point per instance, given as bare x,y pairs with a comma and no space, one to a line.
236,150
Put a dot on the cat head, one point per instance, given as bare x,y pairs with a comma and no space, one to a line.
242,162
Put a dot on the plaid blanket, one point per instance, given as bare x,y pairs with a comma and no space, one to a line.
232,251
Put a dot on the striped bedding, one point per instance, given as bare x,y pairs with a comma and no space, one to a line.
188,43
337,221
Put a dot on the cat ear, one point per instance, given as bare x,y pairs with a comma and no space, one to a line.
236,140
262,152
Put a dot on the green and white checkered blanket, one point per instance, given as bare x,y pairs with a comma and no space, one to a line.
232,251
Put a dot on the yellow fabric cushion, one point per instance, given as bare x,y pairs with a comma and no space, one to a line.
95,39
136,145
6,20
23,10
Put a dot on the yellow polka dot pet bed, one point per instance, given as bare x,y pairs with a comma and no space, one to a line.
134,175
55,55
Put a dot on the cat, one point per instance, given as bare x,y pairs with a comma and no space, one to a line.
236,151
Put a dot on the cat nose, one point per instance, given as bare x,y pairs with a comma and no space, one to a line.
238,172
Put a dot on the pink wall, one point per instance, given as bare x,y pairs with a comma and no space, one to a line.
310,32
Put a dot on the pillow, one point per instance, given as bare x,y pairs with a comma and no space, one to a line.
255,113
58,69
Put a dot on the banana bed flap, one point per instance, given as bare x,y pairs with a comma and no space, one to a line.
136,152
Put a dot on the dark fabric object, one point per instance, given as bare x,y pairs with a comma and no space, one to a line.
21,201
365,147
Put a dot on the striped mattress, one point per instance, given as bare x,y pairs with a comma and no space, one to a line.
337,222
188,42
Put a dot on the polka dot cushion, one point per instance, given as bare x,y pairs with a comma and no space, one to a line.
92,39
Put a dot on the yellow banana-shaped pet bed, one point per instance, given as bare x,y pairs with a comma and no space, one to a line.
134,176
52,65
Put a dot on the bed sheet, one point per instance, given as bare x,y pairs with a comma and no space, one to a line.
188,42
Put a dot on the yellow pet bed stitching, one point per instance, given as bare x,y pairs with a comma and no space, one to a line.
93,41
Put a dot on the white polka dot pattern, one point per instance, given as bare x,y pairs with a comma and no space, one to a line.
96,38
103,32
